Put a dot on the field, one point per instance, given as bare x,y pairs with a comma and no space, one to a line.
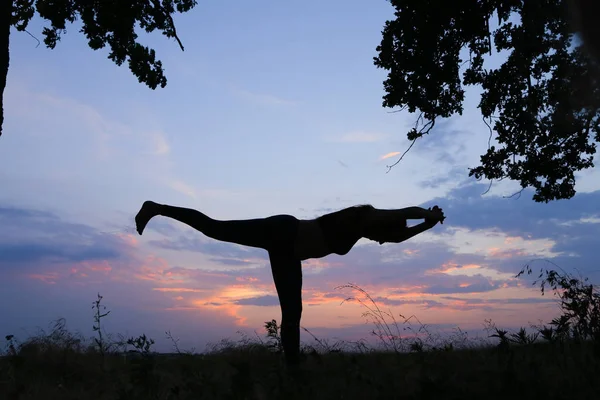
557,361
57,368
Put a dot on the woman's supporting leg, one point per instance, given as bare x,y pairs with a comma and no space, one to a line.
287,274
265,233
276,234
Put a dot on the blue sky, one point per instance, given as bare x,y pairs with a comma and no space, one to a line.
272,108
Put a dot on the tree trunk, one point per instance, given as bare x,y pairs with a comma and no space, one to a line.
6,7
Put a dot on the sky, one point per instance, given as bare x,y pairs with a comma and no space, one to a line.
272,108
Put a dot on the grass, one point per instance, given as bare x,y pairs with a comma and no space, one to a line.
551,362
61,369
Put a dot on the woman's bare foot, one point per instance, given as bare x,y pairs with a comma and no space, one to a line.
149,209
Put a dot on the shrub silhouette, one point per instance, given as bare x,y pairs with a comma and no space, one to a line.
579,302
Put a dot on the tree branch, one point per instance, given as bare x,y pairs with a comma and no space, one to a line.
397,111
171,22
489,146
389,167
518,194
38,40
424,131
490,129
488,188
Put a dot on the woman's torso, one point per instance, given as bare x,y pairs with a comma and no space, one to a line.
334,233
310,241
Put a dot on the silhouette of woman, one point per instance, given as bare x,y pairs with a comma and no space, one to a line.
289,241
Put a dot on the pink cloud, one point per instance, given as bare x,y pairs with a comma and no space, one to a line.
178,290
450,267
506,253
49,278
389,155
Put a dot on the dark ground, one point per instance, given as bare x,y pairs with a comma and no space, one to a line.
535,371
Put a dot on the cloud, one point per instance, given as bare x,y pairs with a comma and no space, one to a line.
260,98
594,219
518,216
17,213
389,155
40,245
478,287
444,176
401,302
177,290
526,300
263,301
358,137
161,146
183,188
466,303
162,226
32,237
105,137
76,257
49,278
232,261
194,242
445,144
52,268
563,231
35,253
495,243
117,147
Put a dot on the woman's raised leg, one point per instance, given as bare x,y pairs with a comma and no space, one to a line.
276,234
261,232
287,274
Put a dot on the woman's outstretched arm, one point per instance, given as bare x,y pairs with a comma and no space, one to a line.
414,213
378,219
390,225
412,231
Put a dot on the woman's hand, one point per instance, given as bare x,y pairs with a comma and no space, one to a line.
437,215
